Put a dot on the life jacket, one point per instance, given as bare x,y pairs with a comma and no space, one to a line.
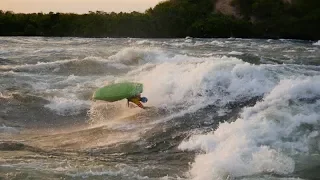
136,100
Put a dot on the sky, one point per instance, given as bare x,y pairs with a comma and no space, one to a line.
76,6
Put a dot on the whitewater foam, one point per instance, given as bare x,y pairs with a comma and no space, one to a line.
317,43
38,65
264,137
64,106
137,56
190,80
121,170
235,53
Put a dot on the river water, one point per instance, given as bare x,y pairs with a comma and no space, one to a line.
221,109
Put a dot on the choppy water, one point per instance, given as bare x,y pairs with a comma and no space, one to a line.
222,109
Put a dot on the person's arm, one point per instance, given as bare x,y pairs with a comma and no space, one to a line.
140,105
137,102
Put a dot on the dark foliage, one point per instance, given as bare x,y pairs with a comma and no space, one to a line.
177,18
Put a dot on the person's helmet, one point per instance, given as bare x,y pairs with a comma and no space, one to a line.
144,99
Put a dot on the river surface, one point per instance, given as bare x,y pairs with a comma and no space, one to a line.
220,109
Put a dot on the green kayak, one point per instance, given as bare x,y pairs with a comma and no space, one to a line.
118,91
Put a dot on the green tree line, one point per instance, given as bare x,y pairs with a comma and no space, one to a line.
299,19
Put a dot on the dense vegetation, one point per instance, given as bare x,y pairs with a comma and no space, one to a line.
299,19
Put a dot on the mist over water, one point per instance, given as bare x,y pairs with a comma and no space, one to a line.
221,109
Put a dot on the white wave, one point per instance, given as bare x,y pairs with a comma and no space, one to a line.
145,42
199,43
55,66
235,53
67,106
137,56
188,40
289,50
317,43
38,65
265,46
217,43
8,130
190,83
50,50
190,80
5,96
120,170
265,135
21,40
